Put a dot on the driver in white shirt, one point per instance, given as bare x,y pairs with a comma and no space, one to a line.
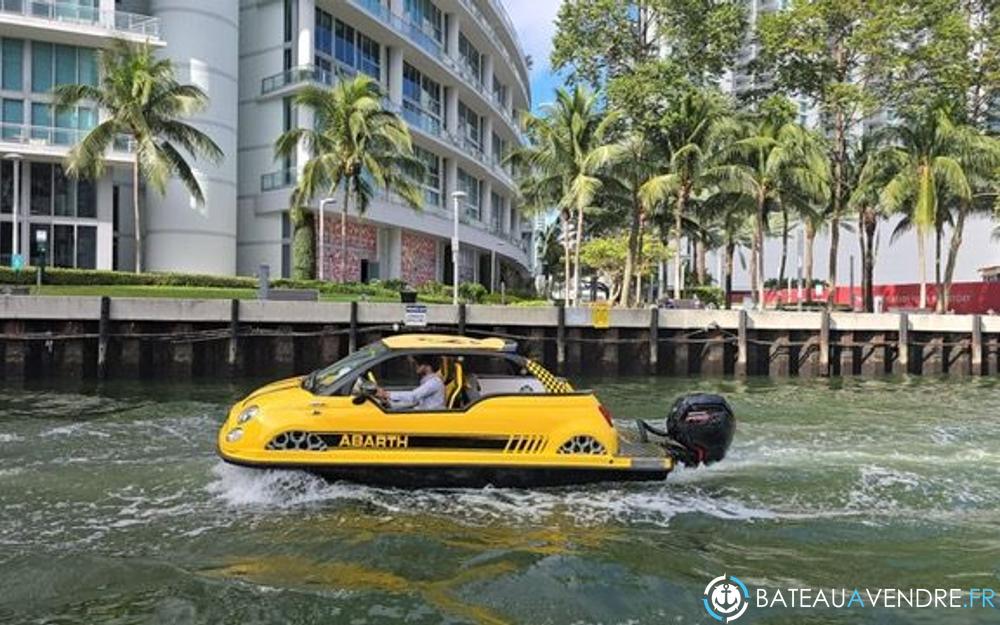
428,396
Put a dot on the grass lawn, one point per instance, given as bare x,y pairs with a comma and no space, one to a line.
180,292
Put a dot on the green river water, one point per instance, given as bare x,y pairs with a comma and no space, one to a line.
114,509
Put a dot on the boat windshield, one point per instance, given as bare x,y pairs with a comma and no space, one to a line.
322,381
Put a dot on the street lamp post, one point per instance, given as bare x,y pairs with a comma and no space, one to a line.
457,198
322,233
16,243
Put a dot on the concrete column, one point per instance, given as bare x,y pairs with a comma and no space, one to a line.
488,138
780,356
451,110
741,345
451,37
488,73
395,75
450,181
305,53
487,208
902,363
396,7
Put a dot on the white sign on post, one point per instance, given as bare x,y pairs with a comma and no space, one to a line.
415,315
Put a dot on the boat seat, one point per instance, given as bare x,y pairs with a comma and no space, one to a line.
473,392
454,391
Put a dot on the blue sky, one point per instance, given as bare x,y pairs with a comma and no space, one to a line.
535,23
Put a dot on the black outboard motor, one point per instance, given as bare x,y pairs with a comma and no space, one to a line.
700,427
703,424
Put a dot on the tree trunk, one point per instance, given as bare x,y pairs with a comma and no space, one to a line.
566,256
938,234
730,250
837,199
922,259
343,234
807,261
135,214
866,228
759,240
701,261
630,257
678,225
576,257
784,245
953,247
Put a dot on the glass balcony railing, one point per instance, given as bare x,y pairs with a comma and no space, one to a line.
73,13
295,76
281,179
26,134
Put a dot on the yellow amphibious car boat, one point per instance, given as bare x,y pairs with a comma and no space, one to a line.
507,421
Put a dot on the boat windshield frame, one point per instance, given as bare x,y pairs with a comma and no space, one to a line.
324,381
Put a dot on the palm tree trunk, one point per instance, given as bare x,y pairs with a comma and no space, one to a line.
921,258
701,261
866,230
566,256
784,245
949,270
135,213
730,250
938,235
576,257
807,261
343,234
759,236
630,257
678,222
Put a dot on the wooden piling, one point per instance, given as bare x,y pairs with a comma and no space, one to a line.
902,362
561,339
352,337
824,343
103,333
461,318
233,353
976,358
654,339
741,345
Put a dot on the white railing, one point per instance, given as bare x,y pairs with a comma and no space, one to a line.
49,136
72,13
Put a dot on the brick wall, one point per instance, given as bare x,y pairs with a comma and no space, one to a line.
419,258
362,243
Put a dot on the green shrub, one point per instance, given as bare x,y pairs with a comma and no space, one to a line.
472,292
709,295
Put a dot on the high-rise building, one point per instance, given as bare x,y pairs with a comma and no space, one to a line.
453,69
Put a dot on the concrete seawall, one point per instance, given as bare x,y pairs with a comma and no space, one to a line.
43,337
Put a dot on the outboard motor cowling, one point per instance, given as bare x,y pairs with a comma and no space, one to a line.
702,426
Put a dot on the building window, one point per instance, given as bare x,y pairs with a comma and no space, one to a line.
13,119
86,247
55,193
34,252
472,58
55,64
432,175
6,187
499,149
421,100
62,245
496,206
427,16
12,51
473,202
499,91
324,32
351,49
286,246
469,129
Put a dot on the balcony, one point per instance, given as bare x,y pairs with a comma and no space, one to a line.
74,15
296,76
281,179
54,141
434,48
484,23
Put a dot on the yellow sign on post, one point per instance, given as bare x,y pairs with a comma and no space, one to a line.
600,316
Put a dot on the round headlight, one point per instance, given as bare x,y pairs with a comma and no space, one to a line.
247,414
234,435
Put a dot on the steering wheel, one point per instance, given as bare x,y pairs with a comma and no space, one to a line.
365,389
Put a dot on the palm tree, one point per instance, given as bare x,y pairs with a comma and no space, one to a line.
562,172
355,144
691,134
777,160
935,161
142,101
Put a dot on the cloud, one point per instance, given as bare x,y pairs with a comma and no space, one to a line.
535,24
